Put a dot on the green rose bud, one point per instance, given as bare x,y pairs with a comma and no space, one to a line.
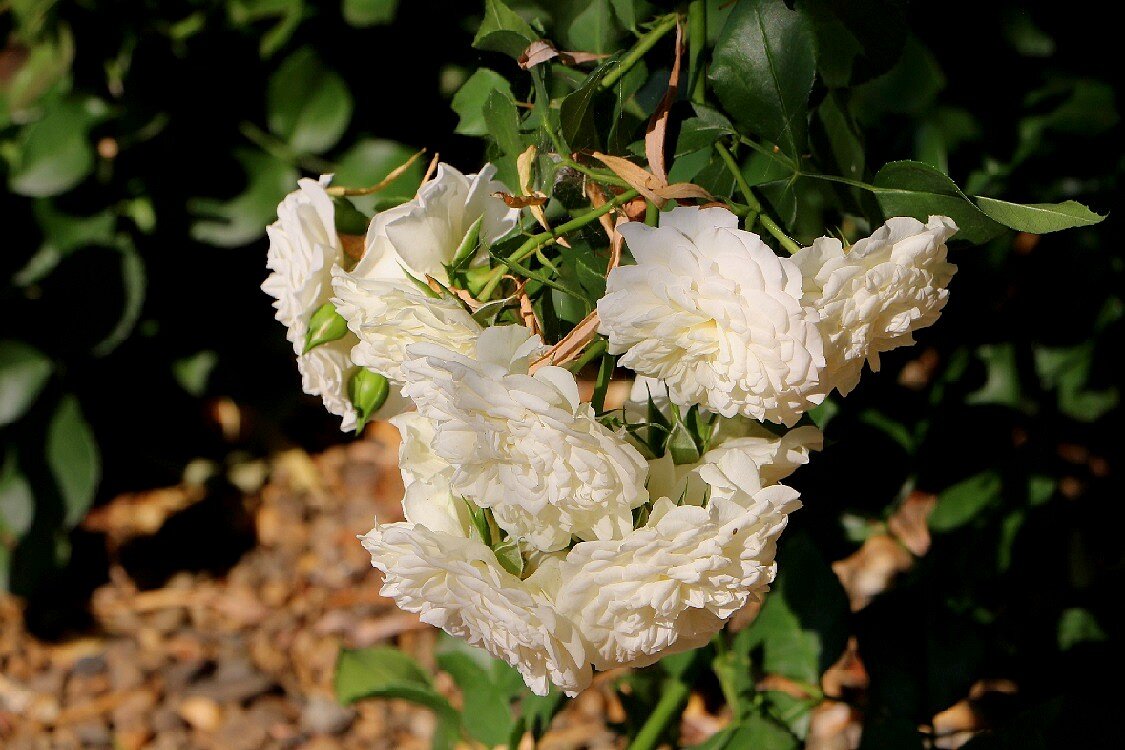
325,325
368,391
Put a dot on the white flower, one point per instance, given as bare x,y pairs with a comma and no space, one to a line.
874,295
423,234
670,585
389,316
775,456
432,567
523,445
303,250
382,306
715,313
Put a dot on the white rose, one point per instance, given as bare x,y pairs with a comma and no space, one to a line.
711,310
423,234
874,295
303,250
432,567
524,445
389,316
670,585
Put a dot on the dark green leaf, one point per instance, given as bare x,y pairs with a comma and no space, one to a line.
577,113
73,458
243,219
17,502
1039,218
961,503
308,105
54,154
23,373
369,12
470,100
843,137
910,188
763,69
487,712
502,30
133,284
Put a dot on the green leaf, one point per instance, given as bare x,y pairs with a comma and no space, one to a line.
368,162
487,711
133,284
502,120
54,154
577,119
62,235
763,69
1039,218
385,672
701,131
593,28
47,63
910,188
502,30
24,371
802,627
369,12
856,39
192,373
17,501
843,137
470,99
73,459
626,13
960,503
1078,626
754,732
307,104
243,219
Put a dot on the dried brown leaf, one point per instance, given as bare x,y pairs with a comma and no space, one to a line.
657,131
908,523
570,346
639,178
539,51
393,175
520,201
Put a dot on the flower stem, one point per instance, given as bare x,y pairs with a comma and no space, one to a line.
643,45
697,41
668,708
752,201
537,241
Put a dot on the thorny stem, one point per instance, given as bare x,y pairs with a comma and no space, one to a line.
537,241
752,201
643,45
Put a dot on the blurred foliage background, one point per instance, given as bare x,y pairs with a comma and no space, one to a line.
144,146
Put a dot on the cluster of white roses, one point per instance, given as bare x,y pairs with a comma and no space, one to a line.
535,529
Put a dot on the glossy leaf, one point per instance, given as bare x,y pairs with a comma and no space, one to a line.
763,69
470,99
910,188
308,105
503,30
1039,218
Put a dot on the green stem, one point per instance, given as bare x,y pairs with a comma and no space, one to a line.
537,241
643,45
697,41
601,385
752,201
668,708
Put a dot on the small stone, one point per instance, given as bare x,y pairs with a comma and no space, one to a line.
201,713
323,715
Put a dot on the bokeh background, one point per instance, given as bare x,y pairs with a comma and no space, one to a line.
168,498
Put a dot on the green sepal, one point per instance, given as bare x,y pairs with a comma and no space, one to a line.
509,556
325,325
468,247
